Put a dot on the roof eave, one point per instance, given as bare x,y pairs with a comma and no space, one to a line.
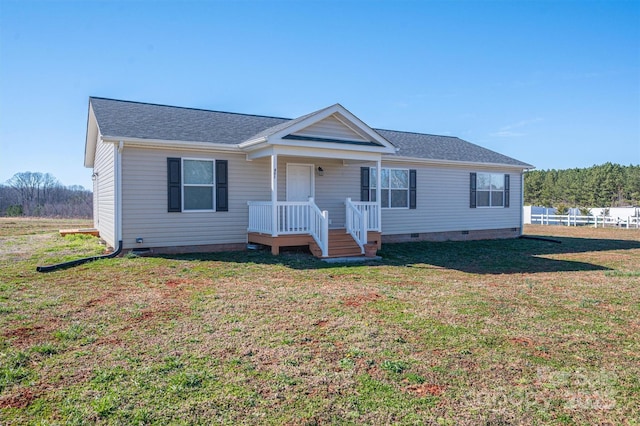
172,144
251,142
91,138
404,159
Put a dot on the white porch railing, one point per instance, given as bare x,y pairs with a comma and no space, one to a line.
319,227
357,222
371,210
260,217
293,217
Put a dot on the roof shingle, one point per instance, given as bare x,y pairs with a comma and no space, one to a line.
138,120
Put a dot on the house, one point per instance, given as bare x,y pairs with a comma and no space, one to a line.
173,179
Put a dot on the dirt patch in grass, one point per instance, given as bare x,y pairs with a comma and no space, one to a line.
426,389
361,299
20,399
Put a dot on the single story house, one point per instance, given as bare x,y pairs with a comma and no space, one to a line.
173,179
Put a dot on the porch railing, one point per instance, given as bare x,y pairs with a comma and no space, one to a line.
260,217
356,223
369,209
293,217
319,228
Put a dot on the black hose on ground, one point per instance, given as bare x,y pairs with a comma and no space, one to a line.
77,262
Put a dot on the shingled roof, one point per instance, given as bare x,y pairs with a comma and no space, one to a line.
126,119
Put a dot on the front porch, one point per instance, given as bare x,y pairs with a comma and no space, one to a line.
302,223
326,157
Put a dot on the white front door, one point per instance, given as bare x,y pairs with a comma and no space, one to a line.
299,182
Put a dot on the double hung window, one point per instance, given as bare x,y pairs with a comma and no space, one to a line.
394,188
491,190
198,184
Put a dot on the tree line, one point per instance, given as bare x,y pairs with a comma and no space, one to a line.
42,195
606,185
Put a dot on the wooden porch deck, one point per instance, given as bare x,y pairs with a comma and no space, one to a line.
341,244
86,231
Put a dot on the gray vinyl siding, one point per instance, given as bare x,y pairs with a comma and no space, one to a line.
443,203
331,190
144,201
442,197
104,192
330,128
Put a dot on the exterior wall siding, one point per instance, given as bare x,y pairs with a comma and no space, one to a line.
442,200
442,197
330,128
443,203
104,192
338,183
144,200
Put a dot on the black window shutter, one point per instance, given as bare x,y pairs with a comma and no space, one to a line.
472,190
222,186
364,183
412,189
506,190
174,183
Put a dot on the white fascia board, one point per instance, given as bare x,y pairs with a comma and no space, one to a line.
297,151
252,142
171,144
348,124
362,127
333,146
91,141
387,158
311,119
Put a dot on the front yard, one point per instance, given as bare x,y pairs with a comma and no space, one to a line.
488,332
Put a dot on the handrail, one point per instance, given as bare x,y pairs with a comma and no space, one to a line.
319,228
357,223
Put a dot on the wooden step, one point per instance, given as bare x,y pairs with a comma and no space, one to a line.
341,244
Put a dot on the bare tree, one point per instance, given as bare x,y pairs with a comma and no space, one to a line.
41,194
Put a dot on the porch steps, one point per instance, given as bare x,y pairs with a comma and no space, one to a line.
341,244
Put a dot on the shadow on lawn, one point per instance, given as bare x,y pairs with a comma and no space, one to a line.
478,257
504,256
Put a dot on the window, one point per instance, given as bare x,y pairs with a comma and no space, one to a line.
492,190
394,187
198,184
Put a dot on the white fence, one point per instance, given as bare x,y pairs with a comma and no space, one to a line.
577,220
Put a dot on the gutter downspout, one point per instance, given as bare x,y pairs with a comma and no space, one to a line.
64,265
118,221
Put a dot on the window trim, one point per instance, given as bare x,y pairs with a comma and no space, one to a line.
490,191
373,188
212,185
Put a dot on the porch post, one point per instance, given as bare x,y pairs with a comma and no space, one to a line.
274,195
379,193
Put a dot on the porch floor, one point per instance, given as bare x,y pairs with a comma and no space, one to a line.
341,244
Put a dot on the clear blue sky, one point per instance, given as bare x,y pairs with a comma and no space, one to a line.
552,83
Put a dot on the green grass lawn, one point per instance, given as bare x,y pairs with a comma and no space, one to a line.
487,332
